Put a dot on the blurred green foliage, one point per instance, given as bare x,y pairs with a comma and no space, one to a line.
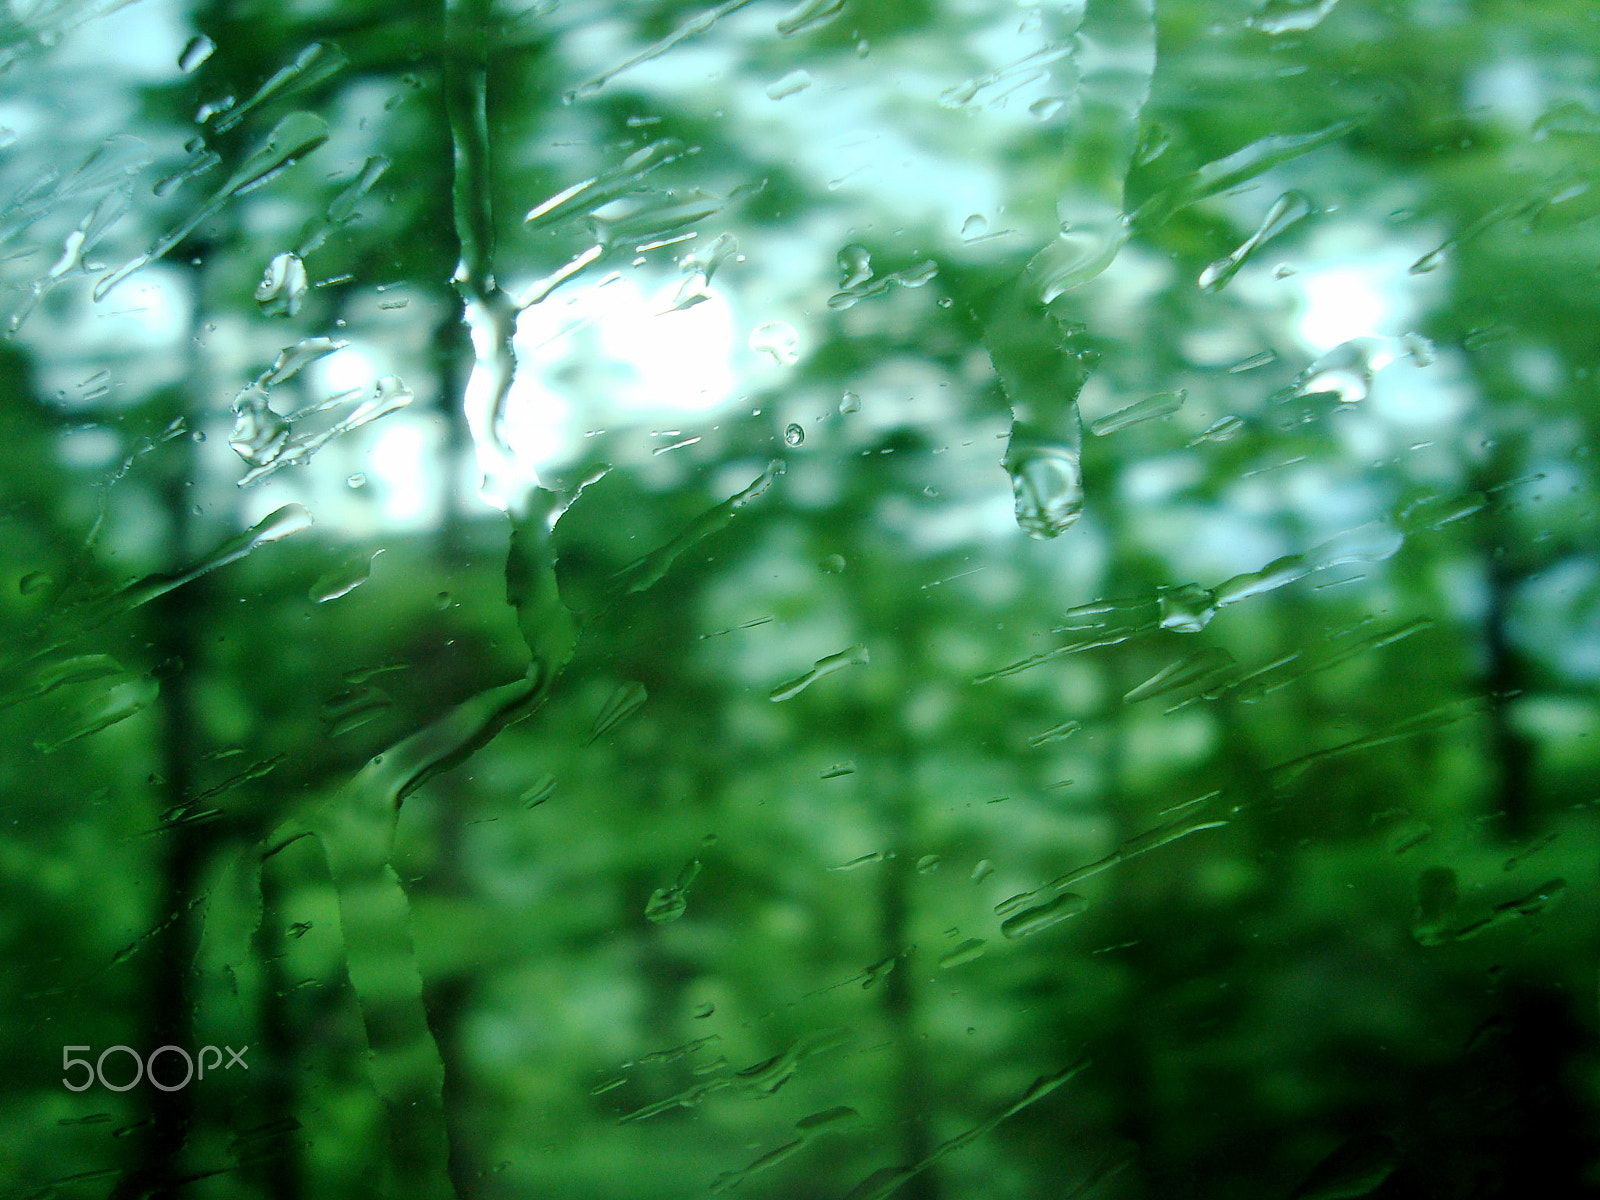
421,847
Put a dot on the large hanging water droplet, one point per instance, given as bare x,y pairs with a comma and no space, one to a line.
1047,482
794,435
849,403
974,226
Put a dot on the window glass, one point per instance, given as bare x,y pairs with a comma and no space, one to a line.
936,598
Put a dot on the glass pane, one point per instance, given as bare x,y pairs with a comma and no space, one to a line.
846,599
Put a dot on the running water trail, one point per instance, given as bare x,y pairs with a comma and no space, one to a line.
1041,371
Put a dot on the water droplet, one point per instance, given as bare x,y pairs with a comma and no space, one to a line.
204,160
1152,145
1077,255
1151,408
793,435
539,791
624,702
1346,371
865,860
1408,837
974,226
779,339
982,870
91,692
32,582
198,49
1570,117
259,434
1056,733
911,277
964,953
808,14
283,286
1254,362
1291,16
702,1011
838,769
354,707
833,564
1196,670
928,863
1223,430
590,193
878,971
198,436
1289,209
443,601
666,904
795,81
855,266
848,657
1047,482
863,48
343,579
1043,916
669,903
356,481
317,62
292,359
849,403
1187,609
1043,110
1421,348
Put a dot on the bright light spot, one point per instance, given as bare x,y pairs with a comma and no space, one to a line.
613,351
346,370
149,307
403,462
1342,303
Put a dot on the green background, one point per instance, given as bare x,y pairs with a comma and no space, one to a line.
236,814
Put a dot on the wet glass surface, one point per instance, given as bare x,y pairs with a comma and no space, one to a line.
943,599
